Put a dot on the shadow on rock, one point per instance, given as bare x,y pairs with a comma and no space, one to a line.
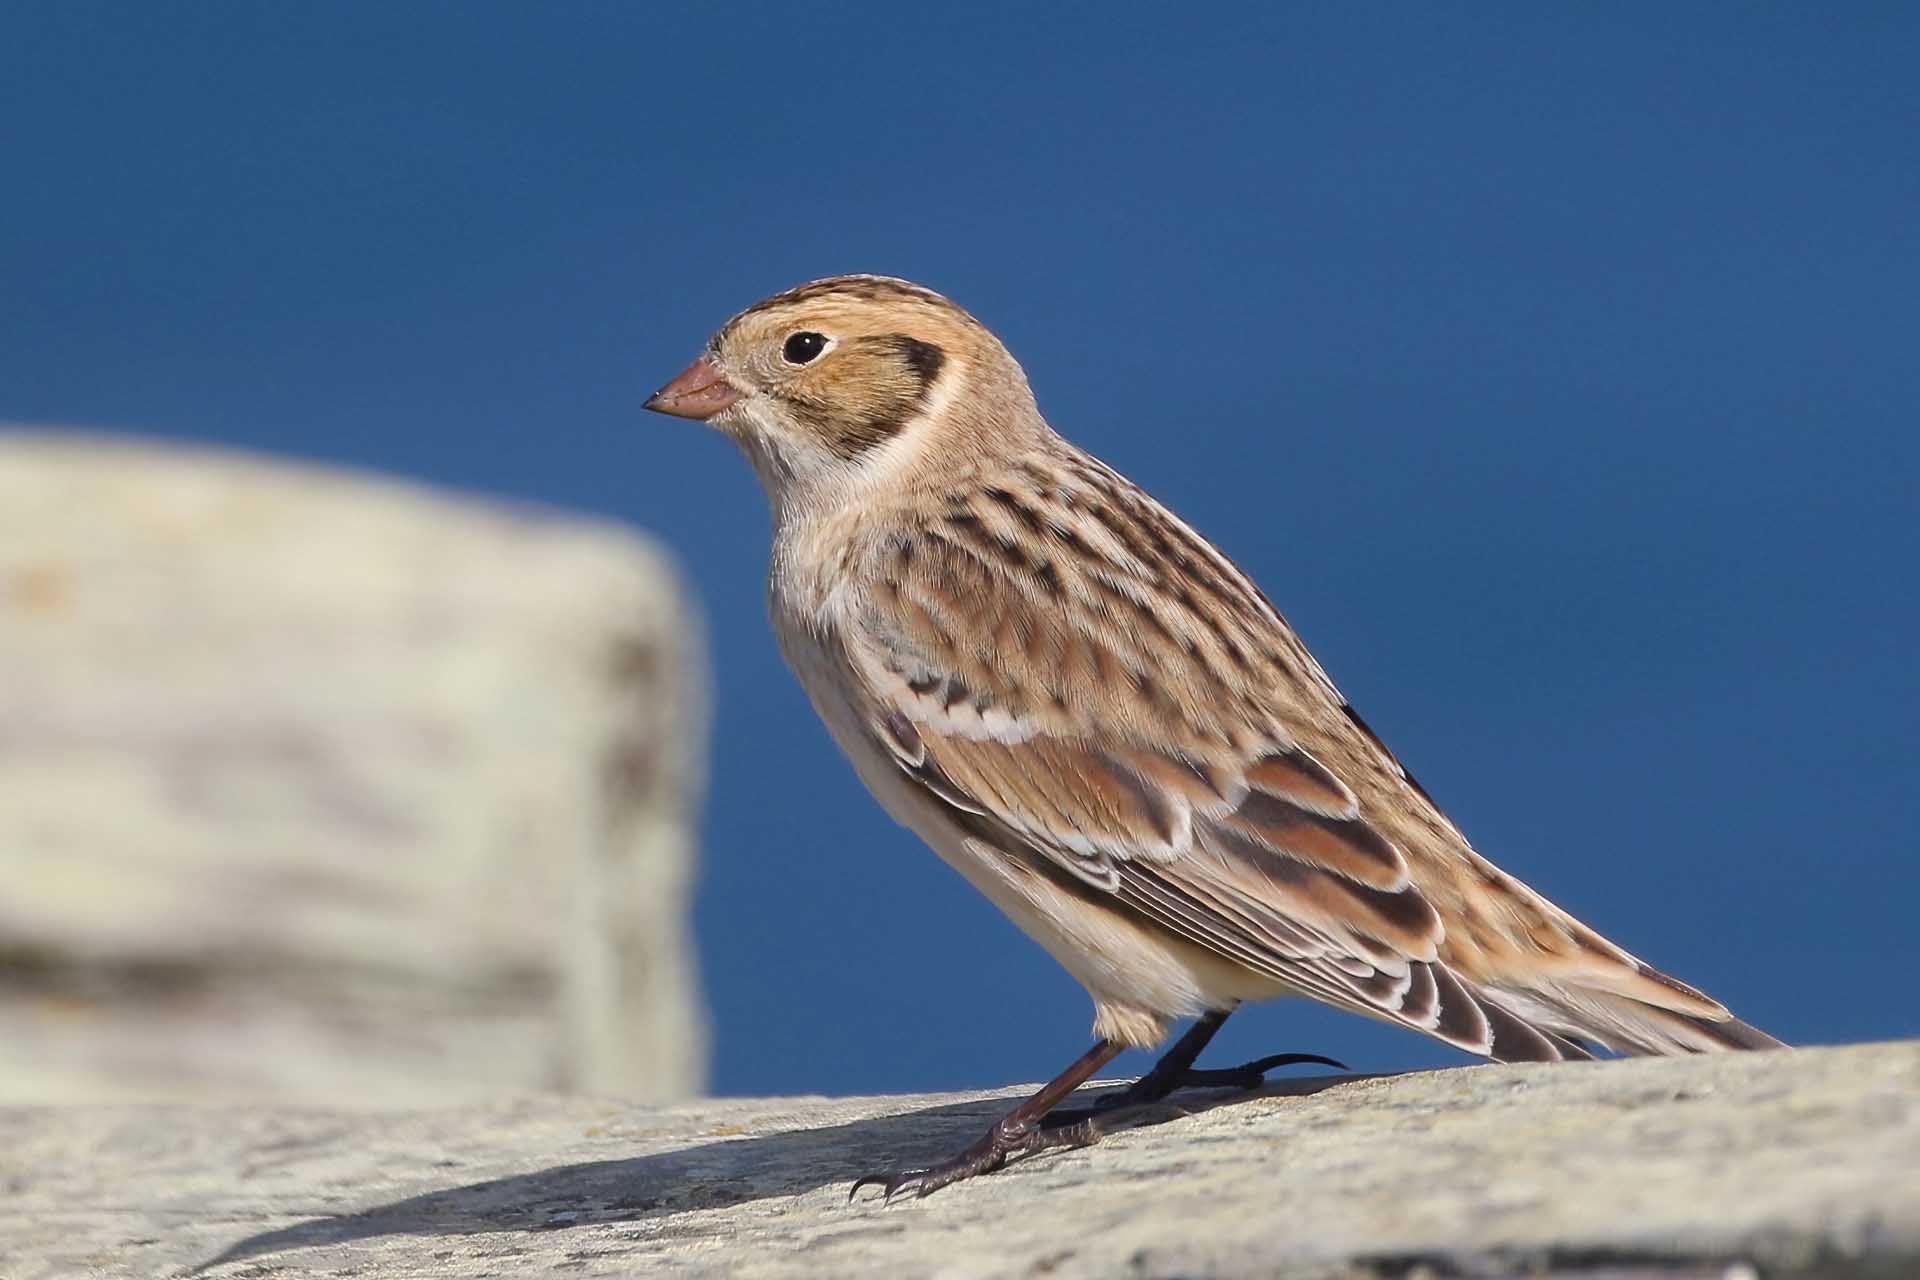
709,1176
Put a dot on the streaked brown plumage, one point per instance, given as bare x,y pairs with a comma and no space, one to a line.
1099,720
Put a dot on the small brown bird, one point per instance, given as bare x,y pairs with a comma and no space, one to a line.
1099,721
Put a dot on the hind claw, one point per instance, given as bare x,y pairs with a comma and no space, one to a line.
1157,1084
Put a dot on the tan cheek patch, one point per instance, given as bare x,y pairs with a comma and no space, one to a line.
875,388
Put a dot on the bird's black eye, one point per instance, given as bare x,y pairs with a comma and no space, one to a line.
802,347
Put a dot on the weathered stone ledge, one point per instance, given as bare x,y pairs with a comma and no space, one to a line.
1780,1164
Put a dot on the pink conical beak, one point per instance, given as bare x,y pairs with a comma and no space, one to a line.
699,392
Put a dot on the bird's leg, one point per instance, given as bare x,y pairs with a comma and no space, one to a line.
1175,1070
1016,1132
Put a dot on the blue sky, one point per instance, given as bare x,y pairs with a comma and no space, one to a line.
1553,367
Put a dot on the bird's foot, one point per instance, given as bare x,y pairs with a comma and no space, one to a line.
984,1155
1157,1084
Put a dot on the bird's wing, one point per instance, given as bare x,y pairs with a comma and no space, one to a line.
1084,679
1131,732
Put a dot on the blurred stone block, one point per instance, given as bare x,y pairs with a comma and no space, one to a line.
322,788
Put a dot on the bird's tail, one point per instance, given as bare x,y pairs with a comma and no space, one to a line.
1629,1008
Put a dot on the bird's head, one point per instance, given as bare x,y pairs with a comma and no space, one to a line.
835,380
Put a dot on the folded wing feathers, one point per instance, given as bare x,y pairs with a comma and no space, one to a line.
1241,881
1230,835
1269,864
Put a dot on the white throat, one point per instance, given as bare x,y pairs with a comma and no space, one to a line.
807,482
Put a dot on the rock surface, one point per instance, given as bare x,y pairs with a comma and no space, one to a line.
321,788
1802,1163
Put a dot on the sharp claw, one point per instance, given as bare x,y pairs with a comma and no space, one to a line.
1155,1087
890,1184
1265,1065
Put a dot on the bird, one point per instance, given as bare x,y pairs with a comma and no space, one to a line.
1084,707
